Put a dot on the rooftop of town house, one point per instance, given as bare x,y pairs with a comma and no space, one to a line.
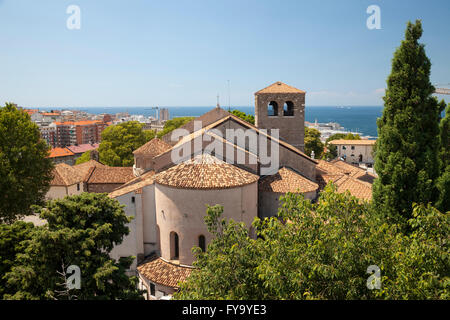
84,168
65,175
81,148
362,142
109,175
205,172
359,189
60,152
78,123
153,148
135,185
162,272
287,180
279,87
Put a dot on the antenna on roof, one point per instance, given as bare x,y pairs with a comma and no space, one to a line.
218,105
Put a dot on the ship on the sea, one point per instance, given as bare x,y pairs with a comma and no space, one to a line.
328,129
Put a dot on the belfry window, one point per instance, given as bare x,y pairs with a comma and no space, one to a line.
272,109
288,108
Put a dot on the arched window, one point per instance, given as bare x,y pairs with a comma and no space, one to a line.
288,108
174,246
272,108
202,243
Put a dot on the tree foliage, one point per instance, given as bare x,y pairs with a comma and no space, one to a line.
85,157
173,124
443,182
25,170
406,153
82,230
246,117
322,251
313,143
120,140
11,243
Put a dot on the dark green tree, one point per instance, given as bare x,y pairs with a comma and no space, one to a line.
25,170
173,124
322,251
443,183
246,117
81,230
406,153
85,157
119,141
313,143
12,237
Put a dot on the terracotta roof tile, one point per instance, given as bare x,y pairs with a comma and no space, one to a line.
279,87
112,175
153,148
346,177
205,172
134,185
84,168
60,152
287,180
65,175
162,272
362,142
83,147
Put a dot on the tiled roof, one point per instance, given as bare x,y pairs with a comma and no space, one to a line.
162,272
279,87
362,142
78,123
84,168
65,175
348,168
112,175
153,148
346,177
134,185
60,152
205,172
83,147
287,180
356,187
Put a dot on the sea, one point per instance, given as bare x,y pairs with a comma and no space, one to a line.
360,119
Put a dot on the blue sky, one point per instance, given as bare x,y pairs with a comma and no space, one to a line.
182,53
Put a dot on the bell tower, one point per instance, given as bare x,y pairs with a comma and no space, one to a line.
282,107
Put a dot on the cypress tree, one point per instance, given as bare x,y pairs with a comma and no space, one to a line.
407,149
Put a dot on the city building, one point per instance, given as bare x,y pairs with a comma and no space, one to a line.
79,132
78,150
355,151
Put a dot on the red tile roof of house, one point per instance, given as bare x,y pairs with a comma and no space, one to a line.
135,185
279,87
60,152
84,168
82,148
162,272
362,142
109,175
153,148
65,175
78,123
287,180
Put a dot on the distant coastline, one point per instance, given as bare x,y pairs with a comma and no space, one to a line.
354,118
